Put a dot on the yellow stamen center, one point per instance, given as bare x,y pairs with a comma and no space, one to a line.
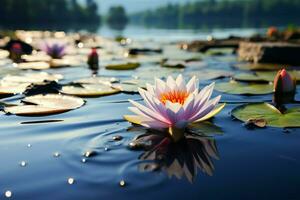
174,97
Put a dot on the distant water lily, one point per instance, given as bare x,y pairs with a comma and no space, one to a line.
54,49
16,52
173,105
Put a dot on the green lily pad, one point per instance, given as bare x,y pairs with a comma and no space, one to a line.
173,64
124,66
9,88
209,74
4,54
46,105
205,128
263,76
148,73
56,63
259,66
39,57
267,112
127,87
90,90
97,80
34,65
244,88
32,78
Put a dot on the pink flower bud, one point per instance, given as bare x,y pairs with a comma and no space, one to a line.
16,48
283,82
93,60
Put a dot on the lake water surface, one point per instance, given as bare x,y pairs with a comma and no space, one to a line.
237,163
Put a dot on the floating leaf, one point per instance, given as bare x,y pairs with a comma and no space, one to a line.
4,54
8,88
259,66
39,57
97,80
173,64
131,86
205,128
124,66
46,105
123,87
233,87
267,112
55,63
90,90
34,65
263,76
210,74
32,78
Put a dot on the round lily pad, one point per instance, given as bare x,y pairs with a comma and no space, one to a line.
123,66
173,64
90,90
209,74
8,88
56,63
46,105
263,76
32,78
258,66
244,88
4,54
97,80
36,58
33,110
34,65
268,113
123,87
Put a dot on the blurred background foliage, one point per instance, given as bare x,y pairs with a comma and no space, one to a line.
79,14
228,13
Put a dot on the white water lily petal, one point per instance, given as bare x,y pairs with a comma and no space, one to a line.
180,83
207,108
148,112
192,85
171,83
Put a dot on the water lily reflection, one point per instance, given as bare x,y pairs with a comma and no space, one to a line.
180,159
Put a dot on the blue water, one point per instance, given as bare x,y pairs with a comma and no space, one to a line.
245,164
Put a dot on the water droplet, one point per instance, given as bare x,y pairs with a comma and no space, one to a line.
56,154
23,164
80,45
106,148
83,160
122,183
117,138
89,154
8,194
71,181
29,145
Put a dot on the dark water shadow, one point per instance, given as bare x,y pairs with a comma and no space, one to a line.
182,159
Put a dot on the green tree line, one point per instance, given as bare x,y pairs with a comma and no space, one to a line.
19,13
225,13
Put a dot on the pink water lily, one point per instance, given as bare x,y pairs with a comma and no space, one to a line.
173,105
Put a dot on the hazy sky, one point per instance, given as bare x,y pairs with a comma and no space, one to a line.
135,5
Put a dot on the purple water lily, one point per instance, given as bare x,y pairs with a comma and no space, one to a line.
55,50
